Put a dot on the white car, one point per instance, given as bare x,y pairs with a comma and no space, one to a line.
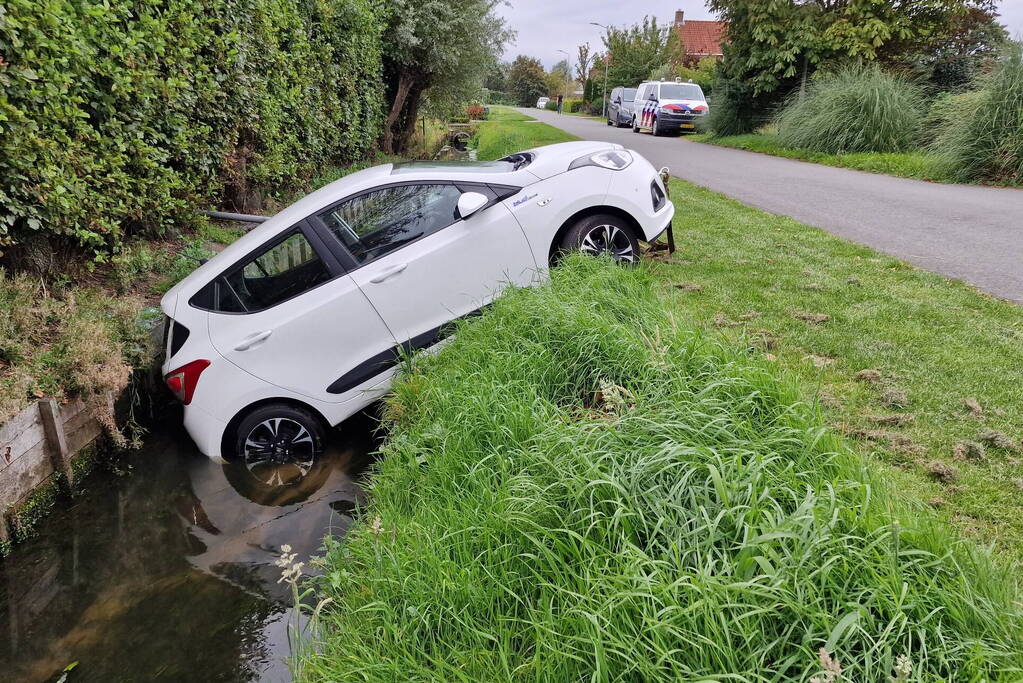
542,102
300,323
666,107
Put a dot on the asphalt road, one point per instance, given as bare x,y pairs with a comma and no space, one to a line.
966,232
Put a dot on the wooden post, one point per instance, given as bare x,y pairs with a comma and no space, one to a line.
56,441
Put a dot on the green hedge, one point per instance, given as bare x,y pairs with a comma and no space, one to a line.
123,117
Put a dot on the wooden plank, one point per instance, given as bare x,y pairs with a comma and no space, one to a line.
56,441
19,435
24,474
83,435
71,408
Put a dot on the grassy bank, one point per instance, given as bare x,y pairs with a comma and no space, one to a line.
923,373
585,484
919,165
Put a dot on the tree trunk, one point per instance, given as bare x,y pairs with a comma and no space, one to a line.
407,122
405,83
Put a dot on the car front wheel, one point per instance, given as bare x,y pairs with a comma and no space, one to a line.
279,443
600,235
635,125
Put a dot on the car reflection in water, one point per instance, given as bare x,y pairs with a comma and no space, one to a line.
169,573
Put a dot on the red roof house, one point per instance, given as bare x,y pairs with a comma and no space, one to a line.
700,38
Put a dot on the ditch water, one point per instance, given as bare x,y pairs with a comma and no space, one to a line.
168,573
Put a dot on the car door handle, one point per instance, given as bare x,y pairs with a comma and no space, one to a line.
253,340
388,273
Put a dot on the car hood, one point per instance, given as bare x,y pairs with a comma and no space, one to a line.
552,160
684,105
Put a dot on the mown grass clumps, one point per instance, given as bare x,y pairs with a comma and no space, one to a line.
987,142
580,486
862,109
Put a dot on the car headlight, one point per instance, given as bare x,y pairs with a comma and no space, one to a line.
614,159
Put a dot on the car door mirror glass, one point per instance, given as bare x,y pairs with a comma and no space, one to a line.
471,202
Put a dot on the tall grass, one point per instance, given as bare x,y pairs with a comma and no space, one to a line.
986,143
863,109
580,487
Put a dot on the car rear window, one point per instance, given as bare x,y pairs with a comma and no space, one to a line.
279,272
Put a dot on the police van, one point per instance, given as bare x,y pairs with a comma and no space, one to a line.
665,107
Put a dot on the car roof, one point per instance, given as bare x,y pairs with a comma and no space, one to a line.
547,161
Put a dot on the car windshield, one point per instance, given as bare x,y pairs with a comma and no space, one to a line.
681,91
629,94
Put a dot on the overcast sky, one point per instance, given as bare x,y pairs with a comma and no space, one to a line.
546,26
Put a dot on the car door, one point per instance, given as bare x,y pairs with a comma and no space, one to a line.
289,314
420,263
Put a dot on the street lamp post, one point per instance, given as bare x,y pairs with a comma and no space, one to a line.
603,109
569,69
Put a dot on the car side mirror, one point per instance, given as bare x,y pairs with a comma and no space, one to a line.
471,202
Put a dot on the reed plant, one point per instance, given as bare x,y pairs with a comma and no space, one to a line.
858,109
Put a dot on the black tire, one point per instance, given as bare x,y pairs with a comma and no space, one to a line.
603,234
655,130
278,443
635,125
610,123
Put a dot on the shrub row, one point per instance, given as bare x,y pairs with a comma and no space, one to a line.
581,488
123,117
976,136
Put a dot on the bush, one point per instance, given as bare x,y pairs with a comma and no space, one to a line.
854,110
986,142
733,109
579,487
552,105
122,118
476,112
573,106
947,110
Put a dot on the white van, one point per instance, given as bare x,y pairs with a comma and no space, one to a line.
664,107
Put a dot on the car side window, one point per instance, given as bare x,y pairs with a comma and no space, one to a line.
281,271
379,222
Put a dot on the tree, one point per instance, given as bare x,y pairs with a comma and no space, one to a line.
582,64
635,51
559,80
445,47
526,81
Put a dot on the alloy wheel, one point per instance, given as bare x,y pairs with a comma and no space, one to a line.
608,239
279,451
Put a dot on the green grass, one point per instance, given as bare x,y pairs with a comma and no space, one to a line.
919,165
938,341
508,131
585,484
746,275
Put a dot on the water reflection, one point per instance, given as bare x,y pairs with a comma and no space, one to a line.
168,574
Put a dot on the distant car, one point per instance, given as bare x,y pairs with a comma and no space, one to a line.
666,107
301,322
542,102
619,107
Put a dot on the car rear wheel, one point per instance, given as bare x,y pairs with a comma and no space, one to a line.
603,235
279,443
609,122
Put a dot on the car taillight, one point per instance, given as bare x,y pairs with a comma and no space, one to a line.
182,381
